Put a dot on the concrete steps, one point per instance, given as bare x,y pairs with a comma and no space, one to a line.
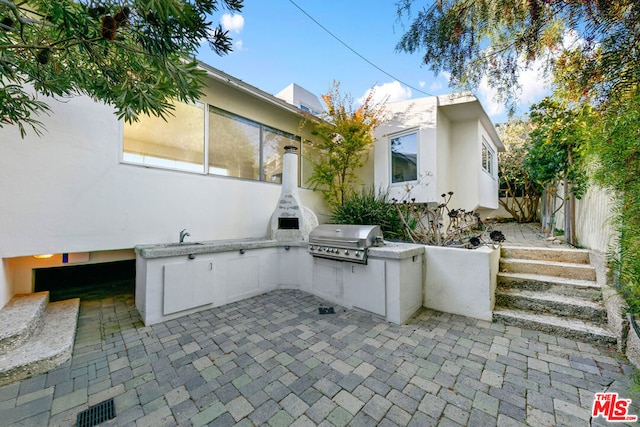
568,270
556,325
35,336
553,291
553,284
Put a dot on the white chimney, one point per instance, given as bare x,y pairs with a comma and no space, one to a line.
291,221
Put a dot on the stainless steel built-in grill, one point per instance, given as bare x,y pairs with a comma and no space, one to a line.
344,242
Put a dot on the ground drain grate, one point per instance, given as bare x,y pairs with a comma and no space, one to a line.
96,414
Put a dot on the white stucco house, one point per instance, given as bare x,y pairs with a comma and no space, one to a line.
92,188
431,146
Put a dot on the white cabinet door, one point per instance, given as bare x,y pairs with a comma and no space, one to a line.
243,276
364,285
187,284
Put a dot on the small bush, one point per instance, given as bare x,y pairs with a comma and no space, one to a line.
369,207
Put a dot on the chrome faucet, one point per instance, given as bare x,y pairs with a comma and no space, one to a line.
183,234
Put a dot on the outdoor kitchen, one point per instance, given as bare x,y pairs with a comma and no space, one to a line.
348,265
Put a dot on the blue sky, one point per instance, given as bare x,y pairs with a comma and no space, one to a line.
276,44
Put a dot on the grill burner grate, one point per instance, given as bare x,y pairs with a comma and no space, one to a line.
96,414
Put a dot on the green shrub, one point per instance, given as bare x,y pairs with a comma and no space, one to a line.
369,207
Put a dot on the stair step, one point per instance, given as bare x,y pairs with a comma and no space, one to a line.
559,305
548,268
553,284
575,256
568,328
20,318
47,348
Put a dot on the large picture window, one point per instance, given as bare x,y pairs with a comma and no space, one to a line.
273,145
177,143
404,157
236,146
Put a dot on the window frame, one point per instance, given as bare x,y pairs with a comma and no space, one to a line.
392,136
207,109
488,160
202,170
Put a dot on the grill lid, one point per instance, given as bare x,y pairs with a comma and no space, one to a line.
347,235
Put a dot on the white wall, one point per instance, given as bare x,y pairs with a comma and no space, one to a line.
487,183
68,192
6,291
441,180
464,166
468,291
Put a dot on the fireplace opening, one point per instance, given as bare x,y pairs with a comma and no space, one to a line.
86,281
289,223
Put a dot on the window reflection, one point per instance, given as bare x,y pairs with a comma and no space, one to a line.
234,146
177,143
404,158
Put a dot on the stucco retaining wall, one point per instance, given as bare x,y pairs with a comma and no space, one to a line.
461,281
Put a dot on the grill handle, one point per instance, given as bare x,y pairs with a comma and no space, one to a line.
338,242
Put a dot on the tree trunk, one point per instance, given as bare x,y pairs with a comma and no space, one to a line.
546,210
569,215
569,210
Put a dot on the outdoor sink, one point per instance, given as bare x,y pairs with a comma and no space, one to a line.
172,245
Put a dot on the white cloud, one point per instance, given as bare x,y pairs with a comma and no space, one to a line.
237,45
393,91
422,83
232,22
436,86
487,96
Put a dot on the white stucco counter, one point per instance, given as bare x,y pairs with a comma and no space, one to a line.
163,250
174,280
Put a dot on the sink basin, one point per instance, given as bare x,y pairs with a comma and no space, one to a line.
172,245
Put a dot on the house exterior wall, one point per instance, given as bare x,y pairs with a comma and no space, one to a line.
444,157
68,191
488,183
464,170
419,115
473,187
449,152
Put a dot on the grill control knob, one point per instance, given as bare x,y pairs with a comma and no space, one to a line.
357,254
346,252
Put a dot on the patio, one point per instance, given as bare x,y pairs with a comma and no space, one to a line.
274,360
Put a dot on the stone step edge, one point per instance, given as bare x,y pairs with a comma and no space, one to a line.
550,268
575,265
48,348
530,252
552,298
20,318
554,280
555,305
569,328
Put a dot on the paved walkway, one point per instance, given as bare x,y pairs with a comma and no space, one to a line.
528,234
274,360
